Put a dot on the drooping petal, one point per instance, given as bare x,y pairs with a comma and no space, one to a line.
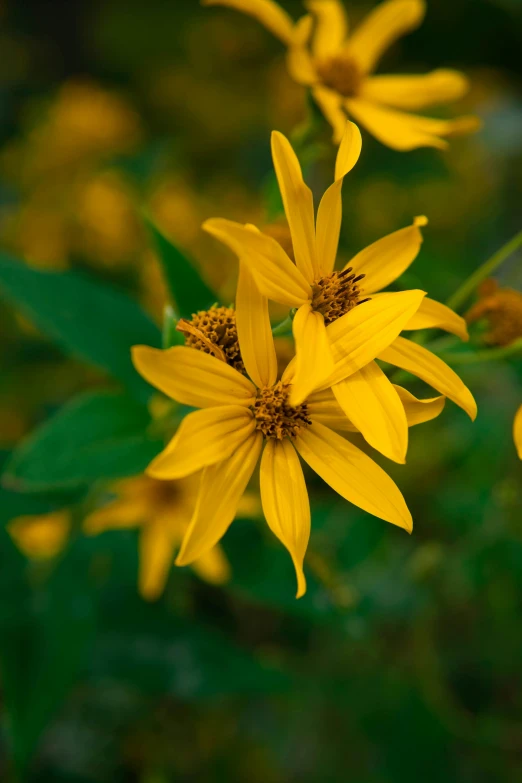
385,260
329,214
285,502
213,566
298,58
314,362
370,401
192,377
359,336
352,474
402,131
331,105
382,27
275,274
415,92
434,315
419,411
298,203
203,438
431,369
221,488
331,26
268,13
156,551
517,431
324,408
253,330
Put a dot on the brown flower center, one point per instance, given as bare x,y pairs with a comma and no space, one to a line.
341,74
336,294
214,331
275,418
502,308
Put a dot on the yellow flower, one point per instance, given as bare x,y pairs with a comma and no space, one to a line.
338,329
338,69
517,431
162,510
40,537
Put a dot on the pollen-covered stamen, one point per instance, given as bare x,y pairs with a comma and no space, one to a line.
341,74
274,417
336,294
214,327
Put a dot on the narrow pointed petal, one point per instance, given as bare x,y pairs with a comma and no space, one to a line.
352,474
419,411
213,567
415,92
434,315
382,27
314,362
359,336
370,401
298,203
324,408
118,514
404,132
331,26
203,438
285,502
268,13
254,331
331,105
329,214
156,556
298,58
221,488
517,431
385,260
275,274
192,377
425,365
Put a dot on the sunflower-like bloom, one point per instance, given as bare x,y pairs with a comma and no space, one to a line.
338,68
41,536
162,510
341,325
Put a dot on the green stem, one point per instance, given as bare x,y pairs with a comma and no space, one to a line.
485,270
285,327
493,354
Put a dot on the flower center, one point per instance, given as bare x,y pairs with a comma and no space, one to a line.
214,331
502,308
341,74
336,294
275,418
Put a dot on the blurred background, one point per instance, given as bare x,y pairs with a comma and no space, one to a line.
403,661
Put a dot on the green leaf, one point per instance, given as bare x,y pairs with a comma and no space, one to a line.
88,319
187,288
97,435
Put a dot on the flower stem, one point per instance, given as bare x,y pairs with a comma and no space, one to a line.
490,355
285,327
487,268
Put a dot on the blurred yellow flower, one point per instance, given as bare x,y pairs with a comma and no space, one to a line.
162,510
42,536
517,431
337,67
338,329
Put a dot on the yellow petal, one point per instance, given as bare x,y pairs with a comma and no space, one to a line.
119,514
415,92
285,502
331,106
425,365
329,214
384,25
385,260
40,537
517,431
203,438
369,400
298,59
359,336
402,131
434,315
298,203
314,362
213,567
221,488
192,377
275,274
268,13
331,26
156,555
254,331
352,474
324,408
419,411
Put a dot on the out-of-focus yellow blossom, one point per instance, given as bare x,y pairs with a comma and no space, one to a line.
41,537
517,431
338,66
162,510
338,328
